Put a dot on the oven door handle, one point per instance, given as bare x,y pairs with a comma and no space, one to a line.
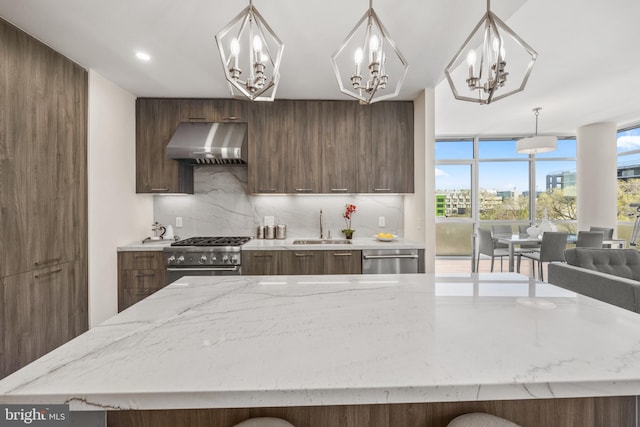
236,268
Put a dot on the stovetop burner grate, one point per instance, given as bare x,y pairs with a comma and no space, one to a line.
212,241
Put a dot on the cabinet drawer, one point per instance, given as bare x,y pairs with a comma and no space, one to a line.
342,262
152,260
129,297
143,279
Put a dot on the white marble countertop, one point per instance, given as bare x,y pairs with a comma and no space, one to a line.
253,341
287,244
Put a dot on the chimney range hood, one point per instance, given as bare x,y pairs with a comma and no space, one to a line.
209,143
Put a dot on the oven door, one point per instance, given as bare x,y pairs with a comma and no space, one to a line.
175,273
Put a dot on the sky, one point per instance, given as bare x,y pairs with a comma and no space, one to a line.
504,175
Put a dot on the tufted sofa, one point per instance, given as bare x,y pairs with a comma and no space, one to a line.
610,275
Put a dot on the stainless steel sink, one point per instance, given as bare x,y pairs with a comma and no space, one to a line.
322,242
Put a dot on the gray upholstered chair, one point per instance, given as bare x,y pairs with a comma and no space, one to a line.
551,250
527,247
501,229
264,422
480,419
487,246
589,239
607,232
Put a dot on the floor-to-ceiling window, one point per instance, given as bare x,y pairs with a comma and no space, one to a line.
484,181
628,143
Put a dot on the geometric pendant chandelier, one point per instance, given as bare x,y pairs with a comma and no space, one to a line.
479,72
251,54
367,64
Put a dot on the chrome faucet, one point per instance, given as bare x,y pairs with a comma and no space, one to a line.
321,225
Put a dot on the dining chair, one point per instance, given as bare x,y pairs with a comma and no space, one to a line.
551,250
607,232
527,247
487,246
502,229
589,239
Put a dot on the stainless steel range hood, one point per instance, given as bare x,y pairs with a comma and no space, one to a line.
209,143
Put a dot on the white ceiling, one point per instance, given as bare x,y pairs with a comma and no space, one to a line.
587,70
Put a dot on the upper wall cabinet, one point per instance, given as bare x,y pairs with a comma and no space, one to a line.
330,147
295,146
213,110
156,121
386,153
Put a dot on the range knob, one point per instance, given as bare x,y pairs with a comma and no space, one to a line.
234,259
180,259
171,259
225,259
203,259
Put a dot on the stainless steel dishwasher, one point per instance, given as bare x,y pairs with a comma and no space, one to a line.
392,261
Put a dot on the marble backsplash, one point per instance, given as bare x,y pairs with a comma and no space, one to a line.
221,206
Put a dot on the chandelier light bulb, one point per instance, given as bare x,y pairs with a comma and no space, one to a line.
257,44
357,58
235,47
374,43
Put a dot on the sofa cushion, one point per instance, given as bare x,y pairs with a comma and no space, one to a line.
618,262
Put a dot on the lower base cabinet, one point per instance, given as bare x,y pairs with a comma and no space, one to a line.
48,308
301,262
140,273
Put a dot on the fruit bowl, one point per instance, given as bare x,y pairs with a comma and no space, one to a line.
385,237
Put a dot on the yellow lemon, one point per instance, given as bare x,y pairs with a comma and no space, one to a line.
388,236
381,235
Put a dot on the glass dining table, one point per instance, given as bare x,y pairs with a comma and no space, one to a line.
516,240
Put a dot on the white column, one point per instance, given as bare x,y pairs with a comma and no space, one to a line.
596,170
419,208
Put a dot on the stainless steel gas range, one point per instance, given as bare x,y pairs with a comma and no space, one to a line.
204,256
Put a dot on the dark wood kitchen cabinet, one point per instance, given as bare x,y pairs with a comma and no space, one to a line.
301,262
342,262
43,199
344,124
259,263
284,149
386,154
330,147
140,274
47,308
213,110
156,121
295,262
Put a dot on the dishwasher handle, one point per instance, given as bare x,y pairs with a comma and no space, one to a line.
413,256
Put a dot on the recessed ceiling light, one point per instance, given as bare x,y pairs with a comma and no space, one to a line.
143,56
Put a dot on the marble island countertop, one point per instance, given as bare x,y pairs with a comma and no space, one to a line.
358,243
258,341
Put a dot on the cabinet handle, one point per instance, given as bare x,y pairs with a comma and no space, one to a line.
230,118
304,190
48,273
145,275
142,256
303,255
267,190
160,189
197,118
339,190
342,254
142,294
48,261
263,256
381,189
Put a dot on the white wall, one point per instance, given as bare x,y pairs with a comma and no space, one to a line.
419,208
116,213
596,169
